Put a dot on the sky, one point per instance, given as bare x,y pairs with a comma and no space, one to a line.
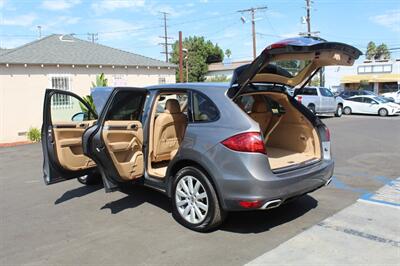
136,25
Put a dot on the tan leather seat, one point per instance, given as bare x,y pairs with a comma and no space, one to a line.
261,114
169,129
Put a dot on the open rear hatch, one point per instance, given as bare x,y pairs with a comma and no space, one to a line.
290,132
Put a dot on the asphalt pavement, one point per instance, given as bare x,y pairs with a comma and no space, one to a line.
70,224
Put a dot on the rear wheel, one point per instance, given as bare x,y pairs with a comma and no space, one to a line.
383,112
347,110
311,107
339,111
195,203
90,179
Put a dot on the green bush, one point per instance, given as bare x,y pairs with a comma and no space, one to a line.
34,134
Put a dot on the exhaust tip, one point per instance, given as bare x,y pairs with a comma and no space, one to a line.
272,204
328,182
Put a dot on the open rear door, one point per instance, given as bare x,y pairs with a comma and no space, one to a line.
65,118
292,62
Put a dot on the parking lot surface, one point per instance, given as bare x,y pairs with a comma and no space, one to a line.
68,223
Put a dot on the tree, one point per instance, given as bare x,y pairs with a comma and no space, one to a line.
382,52
101,81
228,53
219,78
371,51
200,54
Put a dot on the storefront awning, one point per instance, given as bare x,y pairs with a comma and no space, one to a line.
371,78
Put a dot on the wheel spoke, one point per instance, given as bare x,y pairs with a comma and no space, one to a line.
198,212
186,211
185,187
181,203
196,187
202,206
201,196
192,215
181,193
190,183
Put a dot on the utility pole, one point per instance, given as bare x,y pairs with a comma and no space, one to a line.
308,17
93,37
253,25
165,37
40,31
180,58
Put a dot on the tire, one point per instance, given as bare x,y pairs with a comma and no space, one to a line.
311,107
186,205
383,112
90,179
339,111
347,110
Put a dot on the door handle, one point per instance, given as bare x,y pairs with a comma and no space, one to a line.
133,126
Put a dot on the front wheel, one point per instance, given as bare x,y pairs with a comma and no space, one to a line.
347,110
383,112
339,111
195,203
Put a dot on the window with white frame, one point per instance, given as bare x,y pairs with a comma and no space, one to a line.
60,83
162,80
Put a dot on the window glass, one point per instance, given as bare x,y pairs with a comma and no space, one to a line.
246,103
325,92
307,91
204,110
355,99
182,98
367,100
126,105
70,110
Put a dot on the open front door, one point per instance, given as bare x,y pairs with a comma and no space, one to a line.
65,118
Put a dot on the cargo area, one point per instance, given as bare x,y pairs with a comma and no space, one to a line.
290,138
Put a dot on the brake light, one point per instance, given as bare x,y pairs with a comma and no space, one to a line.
327,134
299,98
250,204
245,142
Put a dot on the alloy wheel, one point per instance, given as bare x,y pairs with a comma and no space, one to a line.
191,199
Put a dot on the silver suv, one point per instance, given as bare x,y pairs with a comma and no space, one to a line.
211,148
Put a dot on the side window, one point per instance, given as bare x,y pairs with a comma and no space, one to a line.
308,91
356,99
204,110
126,105
66,108
367,100
325,92
182,98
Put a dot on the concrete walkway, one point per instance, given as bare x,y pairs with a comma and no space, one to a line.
365,233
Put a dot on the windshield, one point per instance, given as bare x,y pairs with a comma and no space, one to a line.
381,99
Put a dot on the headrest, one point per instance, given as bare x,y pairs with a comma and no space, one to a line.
259,107
172,106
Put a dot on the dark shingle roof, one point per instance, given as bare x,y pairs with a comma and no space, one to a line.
3,51
66,49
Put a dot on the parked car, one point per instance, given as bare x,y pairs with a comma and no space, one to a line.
349,93
215,147
320,100
393,96
368,104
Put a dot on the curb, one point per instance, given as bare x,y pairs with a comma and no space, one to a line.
16,143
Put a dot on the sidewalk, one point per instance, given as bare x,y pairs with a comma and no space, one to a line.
365,233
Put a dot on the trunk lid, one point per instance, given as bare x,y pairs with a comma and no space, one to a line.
291,62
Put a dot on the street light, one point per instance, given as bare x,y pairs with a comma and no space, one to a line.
186,51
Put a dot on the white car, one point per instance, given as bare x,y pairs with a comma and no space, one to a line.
370,104
394,95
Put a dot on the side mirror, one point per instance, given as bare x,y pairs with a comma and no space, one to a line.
78,117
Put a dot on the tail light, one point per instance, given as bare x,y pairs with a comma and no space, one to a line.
299,98
327,134
245,142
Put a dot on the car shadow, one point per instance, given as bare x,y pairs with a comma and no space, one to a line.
77,193
136,195
252,222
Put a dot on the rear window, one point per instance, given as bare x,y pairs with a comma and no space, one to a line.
307,91
325,92
204,110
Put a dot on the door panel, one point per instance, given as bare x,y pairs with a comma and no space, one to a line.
65,118
124,142
68,145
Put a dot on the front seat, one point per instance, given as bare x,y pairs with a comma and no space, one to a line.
169,129
261,114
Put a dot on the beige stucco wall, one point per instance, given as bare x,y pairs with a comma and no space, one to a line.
22,90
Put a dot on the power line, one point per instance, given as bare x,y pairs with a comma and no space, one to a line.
93,37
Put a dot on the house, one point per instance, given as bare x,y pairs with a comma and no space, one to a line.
67,63
223,69
379,76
